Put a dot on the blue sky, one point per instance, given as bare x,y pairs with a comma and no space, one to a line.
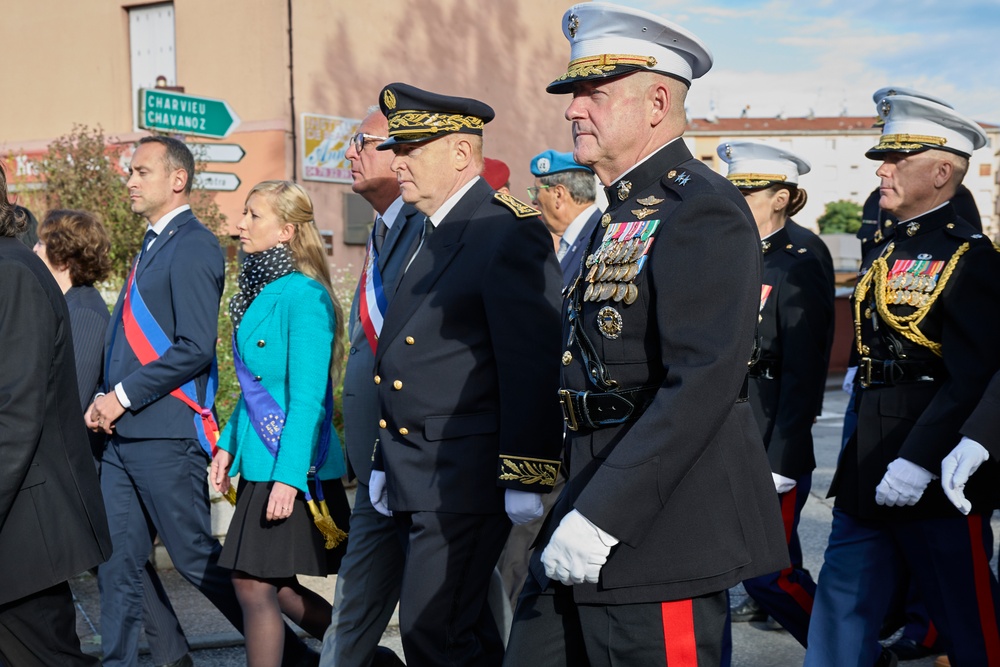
781,56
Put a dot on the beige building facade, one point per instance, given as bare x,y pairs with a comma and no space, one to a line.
280,65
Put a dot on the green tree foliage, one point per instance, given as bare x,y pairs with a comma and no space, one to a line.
840,217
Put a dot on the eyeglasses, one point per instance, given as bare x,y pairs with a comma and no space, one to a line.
533,190
360,139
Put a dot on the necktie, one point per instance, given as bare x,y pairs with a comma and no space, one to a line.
563,249
424,233
148,238
381,229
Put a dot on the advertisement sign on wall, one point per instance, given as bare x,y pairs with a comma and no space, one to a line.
324,143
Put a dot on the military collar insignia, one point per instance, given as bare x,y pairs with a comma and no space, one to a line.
624,188
682,179
650,201
641,213
765,246
912,228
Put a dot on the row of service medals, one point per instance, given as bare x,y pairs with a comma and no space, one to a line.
911,281
613,267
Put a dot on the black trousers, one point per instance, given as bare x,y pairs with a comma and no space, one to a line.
444,618
551,630
40,631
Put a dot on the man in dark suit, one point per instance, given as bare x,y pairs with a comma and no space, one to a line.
467,370
564,192
52,523
670,499
369,578
927,321
160,350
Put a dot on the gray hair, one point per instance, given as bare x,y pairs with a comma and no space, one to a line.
579,183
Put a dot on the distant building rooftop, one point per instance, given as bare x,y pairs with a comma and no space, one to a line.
797,126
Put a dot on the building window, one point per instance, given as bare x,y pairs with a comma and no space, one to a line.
152,49
985,169
358,219
326,235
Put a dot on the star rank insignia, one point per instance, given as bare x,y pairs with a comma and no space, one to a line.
682,179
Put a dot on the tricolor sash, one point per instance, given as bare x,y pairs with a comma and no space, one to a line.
268,421
149,343
373,302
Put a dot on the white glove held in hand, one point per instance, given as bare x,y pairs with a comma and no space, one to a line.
957,468
848,385
782,484
577,551
522,506
377,492
903,484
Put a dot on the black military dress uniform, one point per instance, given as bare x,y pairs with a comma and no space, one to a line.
662,447
786,391
927,322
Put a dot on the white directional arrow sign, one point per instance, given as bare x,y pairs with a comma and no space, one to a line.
217,152
218,181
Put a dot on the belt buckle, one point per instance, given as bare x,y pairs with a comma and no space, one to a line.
569,415
865,369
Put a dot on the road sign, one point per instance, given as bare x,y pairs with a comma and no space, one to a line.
216,152
219,181
168,111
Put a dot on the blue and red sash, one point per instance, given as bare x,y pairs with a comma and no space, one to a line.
373,302
268,421
149,343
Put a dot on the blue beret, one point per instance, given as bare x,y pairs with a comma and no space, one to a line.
550,162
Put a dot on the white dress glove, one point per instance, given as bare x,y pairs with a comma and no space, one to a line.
377,492
957,468
782,484
522,506
577,551
903,484
848,386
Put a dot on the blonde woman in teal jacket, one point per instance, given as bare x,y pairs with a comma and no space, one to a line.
286,320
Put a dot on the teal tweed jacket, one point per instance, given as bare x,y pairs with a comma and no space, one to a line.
285,339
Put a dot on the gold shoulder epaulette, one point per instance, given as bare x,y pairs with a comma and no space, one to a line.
520,209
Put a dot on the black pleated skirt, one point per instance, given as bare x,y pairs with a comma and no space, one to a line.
281,549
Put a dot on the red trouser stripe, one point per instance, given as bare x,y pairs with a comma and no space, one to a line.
678,633
931,637
793,589
984,596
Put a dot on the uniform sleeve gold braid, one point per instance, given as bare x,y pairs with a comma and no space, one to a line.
420,122
529,472
909,325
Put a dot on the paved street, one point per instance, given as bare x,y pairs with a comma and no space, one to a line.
216,644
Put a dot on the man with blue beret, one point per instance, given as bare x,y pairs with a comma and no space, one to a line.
927,318
467,368
564,191
670,499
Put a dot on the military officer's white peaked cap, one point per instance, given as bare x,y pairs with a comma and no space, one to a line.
608,40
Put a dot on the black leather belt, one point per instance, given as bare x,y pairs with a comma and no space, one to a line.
594,410
767,369
889,372
589,409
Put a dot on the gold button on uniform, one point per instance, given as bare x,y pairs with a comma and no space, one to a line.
397,385
378,380
261,343
404,431
381,423
409,340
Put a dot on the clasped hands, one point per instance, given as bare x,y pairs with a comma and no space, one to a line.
103,412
